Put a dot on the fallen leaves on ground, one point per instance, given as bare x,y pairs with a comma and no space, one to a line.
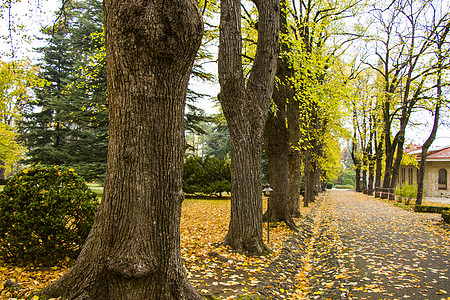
391,253
350,246
211,267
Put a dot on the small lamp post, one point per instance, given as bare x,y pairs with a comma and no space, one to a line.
267,191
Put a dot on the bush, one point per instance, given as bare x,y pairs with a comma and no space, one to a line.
3,181
446,216
206,175
429,209
344,187
407,192
45,215
348,181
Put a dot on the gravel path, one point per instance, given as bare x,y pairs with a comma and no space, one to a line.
389,253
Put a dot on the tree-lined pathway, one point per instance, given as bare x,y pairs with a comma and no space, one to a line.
378,251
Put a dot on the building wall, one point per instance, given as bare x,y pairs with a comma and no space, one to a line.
431,179
409,174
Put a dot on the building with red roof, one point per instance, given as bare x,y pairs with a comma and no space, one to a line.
437,169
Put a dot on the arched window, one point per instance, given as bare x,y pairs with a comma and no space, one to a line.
442,181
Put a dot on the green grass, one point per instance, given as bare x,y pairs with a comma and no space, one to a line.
96,188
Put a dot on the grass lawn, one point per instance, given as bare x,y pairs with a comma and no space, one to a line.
96,188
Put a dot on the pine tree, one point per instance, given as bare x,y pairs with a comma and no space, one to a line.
67,123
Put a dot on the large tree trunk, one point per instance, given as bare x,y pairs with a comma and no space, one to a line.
371,176
276,144
309,179
133,249
276,137
364,180
294,158
397,163
358,178
246,109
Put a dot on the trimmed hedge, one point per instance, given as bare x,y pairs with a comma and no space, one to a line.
429,209
446,216
344,187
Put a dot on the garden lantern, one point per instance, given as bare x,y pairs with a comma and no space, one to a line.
267,191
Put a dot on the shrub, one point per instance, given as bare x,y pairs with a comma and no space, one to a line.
430,209
446,216
348,181
407,192
45,215
344,187
206,175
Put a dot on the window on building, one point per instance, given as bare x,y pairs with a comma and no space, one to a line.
442,181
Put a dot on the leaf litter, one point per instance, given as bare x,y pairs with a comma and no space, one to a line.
350,246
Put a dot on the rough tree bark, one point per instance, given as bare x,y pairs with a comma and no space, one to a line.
294,157
133,249
245,109
276,144
276,137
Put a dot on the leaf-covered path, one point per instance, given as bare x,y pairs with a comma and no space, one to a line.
380,251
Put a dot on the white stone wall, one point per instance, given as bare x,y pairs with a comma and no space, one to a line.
431,179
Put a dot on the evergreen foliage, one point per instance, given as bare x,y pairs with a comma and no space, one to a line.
67,122
206,175
45,215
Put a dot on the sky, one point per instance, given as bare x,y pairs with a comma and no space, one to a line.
37,13
34,14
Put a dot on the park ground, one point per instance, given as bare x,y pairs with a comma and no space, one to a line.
350,246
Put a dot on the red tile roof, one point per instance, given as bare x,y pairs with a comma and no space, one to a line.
441,153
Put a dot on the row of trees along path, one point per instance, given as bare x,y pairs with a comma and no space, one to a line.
364,248
133,250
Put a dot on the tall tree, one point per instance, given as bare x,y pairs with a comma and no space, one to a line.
276,136
442,54
133,249
67,123
402,51
16,78
315,25
245,106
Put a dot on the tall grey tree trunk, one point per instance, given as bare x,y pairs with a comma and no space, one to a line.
133,249
364,180
371,176
276,144
245,109
358,178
